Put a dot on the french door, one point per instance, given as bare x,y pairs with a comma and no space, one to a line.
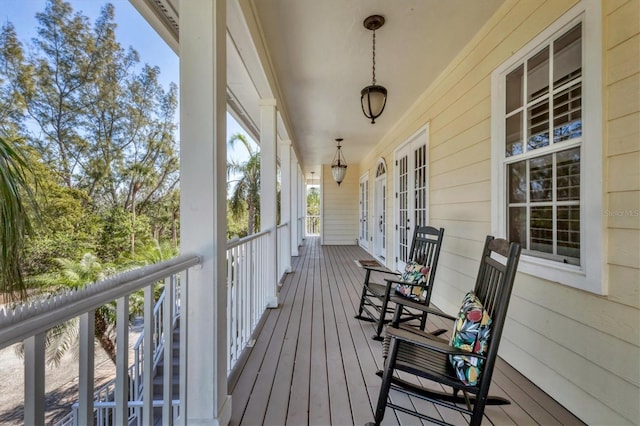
380,212
412,192
363,237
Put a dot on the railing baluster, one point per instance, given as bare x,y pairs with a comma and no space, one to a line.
34,380
122,361
230,273
147,362
86,368
167,388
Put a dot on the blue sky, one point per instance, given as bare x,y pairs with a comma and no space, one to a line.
132,30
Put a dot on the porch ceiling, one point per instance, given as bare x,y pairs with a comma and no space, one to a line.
315,57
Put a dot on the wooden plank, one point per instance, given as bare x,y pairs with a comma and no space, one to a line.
531,398
356,380
313,340
319,405
340,409
278,408
298,411
261,391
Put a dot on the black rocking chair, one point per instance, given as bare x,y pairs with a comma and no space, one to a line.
424,355
375,298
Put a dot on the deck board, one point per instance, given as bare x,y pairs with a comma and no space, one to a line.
313,363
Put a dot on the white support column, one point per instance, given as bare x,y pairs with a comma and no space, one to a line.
34,380
302,205
86,368
268,194
295,196
285,199
203,151
122,361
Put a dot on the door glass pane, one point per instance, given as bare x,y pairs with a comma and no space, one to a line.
567,56
540,178
403,208
515,82
538,75
567,114
568,175
569,231
518,225
538,125
420,191
514,135
542,229
517,182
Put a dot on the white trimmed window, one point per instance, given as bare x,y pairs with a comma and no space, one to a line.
546,151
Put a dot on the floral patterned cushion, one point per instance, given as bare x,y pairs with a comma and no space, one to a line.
471,333
414,273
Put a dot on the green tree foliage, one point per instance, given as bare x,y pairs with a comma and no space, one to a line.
245,195
73,275
16,198
313,202
69,225
103,122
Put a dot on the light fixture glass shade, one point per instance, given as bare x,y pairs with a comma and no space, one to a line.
339,165
373,99
339,171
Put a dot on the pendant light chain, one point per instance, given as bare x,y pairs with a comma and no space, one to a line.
373,98
374,57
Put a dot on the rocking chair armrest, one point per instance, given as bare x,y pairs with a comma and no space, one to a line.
420,307
399,281
427,342
381,270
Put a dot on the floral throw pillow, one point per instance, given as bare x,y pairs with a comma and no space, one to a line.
471,333
416,274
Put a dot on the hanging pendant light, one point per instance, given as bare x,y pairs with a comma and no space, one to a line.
373,98
339,165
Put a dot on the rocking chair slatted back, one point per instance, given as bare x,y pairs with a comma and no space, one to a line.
427,356
374,301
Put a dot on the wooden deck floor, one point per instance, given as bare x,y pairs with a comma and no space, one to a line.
313,363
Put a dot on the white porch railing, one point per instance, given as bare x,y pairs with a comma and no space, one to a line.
29,323
247,288
246,291
313,225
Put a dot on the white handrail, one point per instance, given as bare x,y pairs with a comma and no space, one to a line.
40,315
29,322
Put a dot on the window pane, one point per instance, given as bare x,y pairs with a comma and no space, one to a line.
567,114
514,135
568,174
567,56
538,123
540,178
518,225
542,229
569,231
517,182
515,82
538,75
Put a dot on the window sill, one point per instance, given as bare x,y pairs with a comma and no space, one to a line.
567,274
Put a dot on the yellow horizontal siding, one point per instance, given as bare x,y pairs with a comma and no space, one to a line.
339,223
624,134
580,347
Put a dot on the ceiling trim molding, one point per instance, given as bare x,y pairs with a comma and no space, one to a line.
163,18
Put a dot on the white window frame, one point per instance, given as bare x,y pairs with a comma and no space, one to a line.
589,276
